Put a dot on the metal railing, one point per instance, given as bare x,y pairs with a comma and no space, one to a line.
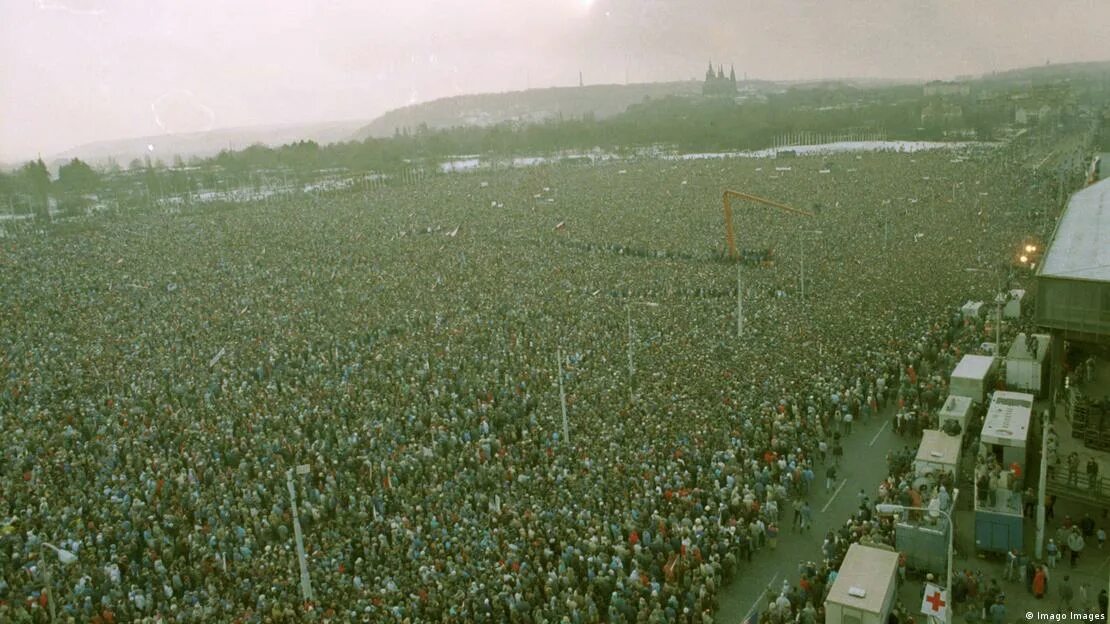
1078,486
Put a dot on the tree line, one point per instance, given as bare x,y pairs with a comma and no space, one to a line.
687,124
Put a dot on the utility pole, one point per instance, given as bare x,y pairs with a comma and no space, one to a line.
998,327
66,558
50,595
306,583
802,245
739,303
1042,485
950,529
562,396
1003,296
628,308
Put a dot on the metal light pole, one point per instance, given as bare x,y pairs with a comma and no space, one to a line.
306,583
802,244
1042,487
628,309
64,556
803,247
739,304
562,396
897,509
999,300
49,583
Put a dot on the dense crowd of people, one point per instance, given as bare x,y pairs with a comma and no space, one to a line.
925,490
922,493
162,374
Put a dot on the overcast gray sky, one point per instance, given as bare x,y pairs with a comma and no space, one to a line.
74,71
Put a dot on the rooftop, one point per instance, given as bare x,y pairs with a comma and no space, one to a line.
937,448
1080,248
973,367
1007,420
870,569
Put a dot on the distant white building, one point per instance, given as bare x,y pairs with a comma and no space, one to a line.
949,89
941,113
1029,115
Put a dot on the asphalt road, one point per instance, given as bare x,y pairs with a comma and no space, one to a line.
863,466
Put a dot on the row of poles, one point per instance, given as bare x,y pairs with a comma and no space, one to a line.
628,316
806,137
247,187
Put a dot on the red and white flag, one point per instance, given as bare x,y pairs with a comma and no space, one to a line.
935,602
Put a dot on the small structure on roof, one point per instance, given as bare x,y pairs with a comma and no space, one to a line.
939,452
1026,362
973,377
957,408
972,309
863,592
1012,309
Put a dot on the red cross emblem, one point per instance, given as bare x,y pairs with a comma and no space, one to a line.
936,601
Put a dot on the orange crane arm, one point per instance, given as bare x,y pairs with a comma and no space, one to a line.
727,203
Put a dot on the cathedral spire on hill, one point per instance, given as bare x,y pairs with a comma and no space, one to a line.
716,83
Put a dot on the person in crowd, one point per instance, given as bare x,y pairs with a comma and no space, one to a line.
1076,543
1066,594
998,610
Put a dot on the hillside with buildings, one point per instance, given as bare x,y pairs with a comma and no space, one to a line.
529,106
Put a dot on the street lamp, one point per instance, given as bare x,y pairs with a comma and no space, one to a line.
802,241
1000,300
306,583
885,508
739,303
65,557
563,395
628,310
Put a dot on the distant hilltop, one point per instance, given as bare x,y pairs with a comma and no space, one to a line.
204,144
1052,72
533,105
